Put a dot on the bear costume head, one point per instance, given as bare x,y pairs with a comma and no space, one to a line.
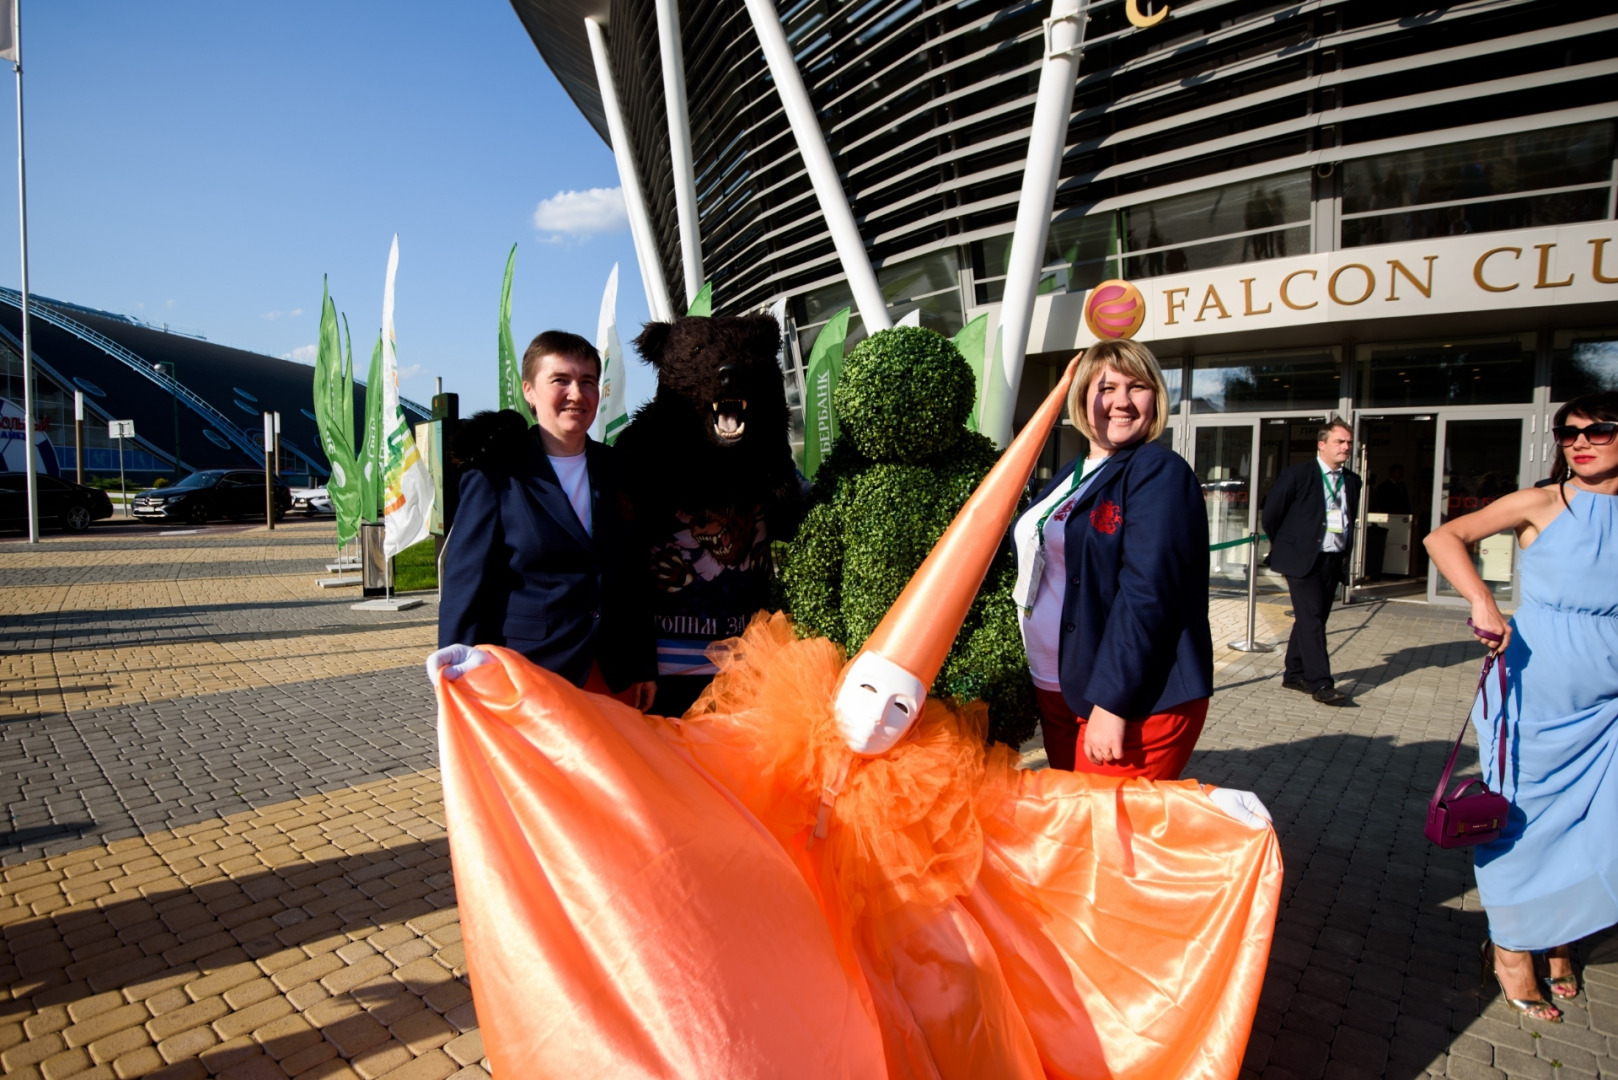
719,376
717,434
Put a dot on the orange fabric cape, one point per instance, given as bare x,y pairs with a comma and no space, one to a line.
644,897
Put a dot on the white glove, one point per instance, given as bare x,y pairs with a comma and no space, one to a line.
453,661
1244,806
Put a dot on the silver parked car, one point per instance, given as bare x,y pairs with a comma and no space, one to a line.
311,501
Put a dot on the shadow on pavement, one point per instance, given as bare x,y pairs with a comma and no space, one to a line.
1374,969
314,960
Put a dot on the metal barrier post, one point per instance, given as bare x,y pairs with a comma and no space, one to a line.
1251,643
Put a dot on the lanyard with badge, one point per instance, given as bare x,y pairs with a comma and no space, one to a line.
1334,504
1028,577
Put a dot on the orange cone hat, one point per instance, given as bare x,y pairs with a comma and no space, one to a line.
918,630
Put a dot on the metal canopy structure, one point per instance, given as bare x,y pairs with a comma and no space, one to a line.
557,29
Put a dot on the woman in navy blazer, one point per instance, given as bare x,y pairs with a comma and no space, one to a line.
1113,582
540,559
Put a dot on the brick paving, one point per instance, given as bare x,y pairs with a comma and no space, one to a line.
224,852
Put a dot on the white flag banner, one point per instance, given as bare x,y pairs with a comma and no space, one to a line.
8,30
612,414
407,493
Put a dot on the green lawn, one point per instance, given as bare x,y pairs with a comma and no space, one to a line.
416,568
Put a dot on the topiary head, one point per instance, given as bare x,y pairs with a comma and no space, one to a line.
904,395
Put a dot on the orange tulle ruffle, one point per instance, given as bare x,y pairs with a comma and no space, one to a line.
648,897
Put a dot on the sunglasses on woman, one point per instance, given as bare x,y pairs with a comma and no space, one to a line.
1598,434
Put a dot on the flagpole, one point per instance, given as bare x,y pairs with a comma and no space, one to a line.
27,346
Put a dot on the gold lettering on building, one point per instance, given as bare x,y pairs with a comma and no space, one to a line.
1477,269
1247,295
1172,305
1596,262
1370,284
1136,17
1211,299
1287,300
1395,268
1545,268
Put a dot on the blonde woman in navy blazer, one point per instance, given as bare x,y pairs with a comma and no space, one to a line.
1113,582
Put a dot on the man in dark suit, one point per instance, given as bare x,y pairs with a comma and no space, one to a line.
540,559
1309,518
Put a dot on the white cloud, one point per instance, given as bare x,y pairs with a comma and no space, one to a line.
577,215
303,354
274,315
410,371
169,302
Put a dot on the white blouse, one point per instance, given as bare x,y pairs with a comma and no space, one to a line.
1042,577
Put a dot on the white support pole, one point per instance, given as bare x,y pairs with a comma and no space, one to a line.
31,472
845,234
640,222
685,176
1053,108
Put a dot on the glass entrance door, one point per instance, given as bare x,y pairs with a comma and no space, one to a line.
1222,456
1480,458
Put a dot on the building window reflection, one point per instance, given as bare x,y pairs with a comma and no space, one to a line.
1253,382
1245,222
1492,372
1550,177
1583,362
931,284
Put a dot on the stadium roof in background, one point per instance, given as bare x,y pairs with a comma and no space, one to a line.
222,393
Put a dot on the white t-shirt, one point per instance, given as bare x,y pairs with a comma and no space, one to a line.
1041,618
574,477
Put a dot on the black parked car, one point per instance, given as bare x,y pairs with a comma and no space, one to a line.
213,493
62,502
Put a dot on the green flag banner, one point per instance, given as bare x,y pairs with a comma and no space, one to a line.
972,341
370,457
702,306
346,412
510,368
343,485
819,379
613,414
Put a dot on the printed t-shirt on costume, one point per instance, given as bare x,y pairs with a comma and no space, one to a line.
574,477
1042,624
710,573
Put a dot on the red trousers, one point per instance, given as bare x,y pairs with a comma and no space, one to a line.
1157,747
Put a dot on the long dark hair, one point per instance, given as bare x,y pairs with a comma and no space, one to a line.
1602,405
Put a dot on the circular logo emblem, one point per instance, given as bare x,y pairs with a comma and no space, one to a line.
1114,310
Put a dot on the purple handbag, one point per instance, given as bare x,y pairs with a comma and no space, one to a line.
1465,817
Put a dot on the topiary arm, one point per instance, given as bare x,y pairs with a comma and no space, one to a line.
812,575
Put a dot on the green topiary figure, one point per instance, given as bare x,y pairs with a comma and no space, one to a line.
903,466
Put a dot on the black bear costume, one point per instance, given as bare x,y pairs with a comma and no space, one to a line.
710,483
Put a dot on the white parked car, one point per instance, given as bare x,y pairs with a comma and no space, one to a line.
310,501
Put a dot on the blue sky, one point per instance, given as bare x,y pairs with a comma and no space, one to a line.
203,164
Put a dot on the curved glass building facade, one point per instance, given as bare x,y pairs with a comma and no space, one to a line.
1328,208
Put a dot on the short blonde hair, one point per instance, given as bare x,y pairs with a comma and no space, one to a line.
1128,358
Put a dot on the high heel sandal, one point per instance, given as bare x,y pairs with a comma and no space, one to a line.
1562,987
1535,1008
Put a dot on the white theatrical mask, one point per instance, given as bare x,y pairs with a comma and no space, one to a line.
877,702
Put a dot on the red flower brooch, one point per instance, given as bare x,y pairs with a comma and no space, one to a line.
1107,517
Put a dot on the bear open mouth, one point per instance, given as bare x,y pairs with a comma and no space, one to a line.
730,419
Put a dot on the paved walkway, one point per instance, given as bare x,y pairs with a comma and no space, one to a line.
225,850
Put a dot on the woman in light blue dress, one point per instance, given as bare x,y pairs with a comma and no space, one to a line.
1552,876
